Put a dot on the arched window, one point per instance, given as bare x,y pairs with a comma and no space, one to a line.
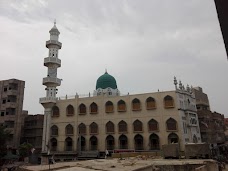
93,108
69,130
82,109
122,127
55,111
171,124
121,106
54,130
152,125
110,128
54,144
82,129
70,110
68,144
93,143
109,107
195,139
138,126
136,104
154,142
93,128
173,138
82,143
150,103
110,142
123,142
138,142
168,102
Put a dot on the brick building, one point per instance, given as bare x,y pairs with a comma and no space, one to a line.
11,105
211,123
32,133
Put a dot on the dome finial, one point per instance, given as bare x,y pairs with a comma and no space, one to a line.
55,22
106,71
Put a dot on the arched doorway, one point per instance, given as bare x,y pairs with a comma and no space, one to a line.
173,138
110,142
154,142
68,144
123,142
138,142
93,143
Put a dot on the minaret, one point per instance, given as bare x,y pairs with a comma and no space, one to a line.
52,62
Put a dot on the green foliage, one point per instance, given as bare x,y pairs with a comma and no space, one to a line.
4,137
24,149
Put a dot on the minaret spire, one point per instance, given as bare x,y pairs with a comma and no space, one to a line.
51,81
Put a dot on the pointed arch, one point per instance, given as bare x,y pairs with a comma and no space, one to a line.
110,127
109,108
136,105
54,144
93,143
195,140
82,129
93,108
82,109
121,106
168,102
110,142
138,126
55,111
171,124
93,128
69,130
150,103
70,110
138,139
173,138
153,125
54,130
154,142
122,127
123,142
68,144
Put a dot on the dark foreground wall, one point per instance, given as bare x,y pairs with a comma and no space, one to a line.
222,10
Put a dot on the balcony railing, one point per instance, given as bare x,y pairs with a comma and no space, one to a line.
11,105
52,60
12,92
53,42
48,100
52,81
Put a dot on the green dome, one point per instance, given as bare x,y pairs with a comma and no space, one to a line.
106,81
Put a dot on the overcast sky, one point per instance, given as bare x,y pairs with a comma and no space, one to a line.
142,43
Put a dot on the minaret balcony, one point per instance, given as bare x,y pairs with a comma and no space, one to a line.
53,42
52,60
49,81
44,100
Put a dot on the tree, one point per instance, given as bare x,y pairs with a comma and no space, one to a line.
24,149
4,137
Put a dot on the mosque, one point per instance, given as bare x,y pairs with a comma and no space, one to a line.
110,121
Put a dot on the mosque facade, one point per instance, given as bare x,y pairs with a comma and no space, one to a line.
110,121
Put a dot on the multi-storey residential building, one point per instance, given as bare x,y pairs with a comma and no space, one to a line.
32,134
11,104
108,120
211,123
